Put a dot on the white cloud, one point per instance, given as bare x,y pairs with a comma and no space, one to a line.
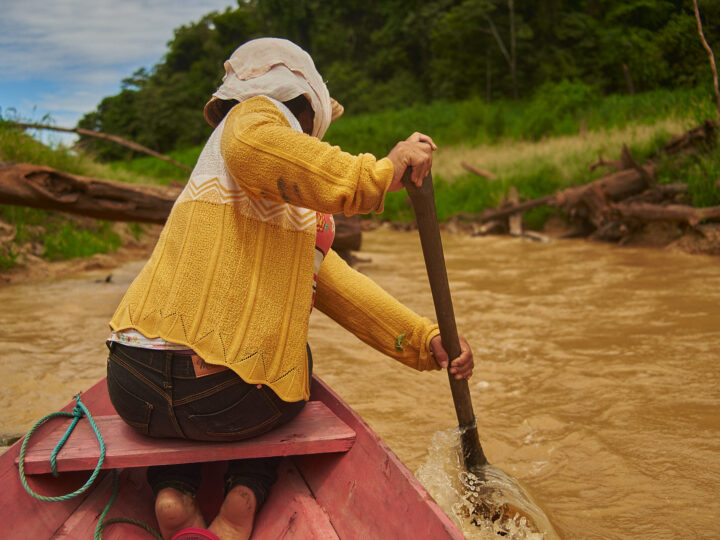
64,56
41,37
78,102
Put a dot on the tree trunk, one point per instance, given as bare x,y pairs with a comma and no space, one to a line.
672,212
23,184
628,79
105,136
711,57
613,187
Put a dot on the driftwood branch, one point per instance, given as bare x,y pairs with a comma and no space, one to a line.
42,187
626,161
711,56
659,193
671,212
698,137
617,205
23,184
480,172
492,215
114,138
613,187
602,162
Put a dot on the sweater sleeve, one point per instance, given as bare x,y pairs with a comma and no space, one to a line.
272,161
359,305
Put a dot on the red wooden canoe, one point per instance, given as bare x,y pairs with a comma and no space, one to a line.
338,479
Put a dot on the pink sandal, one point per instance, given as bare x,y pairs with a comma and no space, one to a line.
195,533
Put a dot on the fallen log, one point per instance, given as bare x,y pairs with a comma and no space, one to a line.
659,193
671,212
36,186
694,139
505,211
613,187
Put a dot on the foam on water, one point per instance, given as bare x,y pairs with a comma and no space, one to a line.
485,505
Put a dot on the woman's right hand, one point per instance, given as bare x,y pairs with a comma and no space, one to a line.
416,152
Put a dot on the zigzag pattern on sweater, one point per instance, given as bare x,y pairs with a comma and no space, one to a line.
213,189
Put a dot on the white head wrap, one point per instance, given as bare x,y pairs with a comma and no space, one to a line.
279,69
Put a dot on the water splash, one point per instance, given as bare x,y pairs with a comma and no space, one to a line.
487,505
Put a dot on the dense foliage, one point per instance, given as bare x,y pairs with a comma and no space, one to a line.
393,53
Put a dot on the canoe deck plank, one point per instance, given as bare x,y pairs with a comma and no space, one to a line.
315,430
291,512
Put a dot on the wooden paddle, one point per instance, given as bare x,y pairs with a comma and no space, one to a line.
488,497
423,201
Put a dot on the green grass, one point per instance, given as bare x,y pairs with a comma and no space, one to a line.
51,235
69,241
18,146
8,258
701,173
54,236
161,171
539,145
535,168
560,109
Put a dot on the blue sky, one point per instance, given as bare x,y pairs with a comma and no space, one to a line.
61,57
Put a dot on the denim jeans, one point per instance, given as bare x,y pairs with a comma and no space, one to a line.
158,393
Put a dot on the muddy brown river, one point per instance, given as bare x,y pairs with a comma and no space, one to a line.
596,385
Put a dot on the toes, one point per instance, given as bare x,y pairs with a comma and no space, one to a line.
237,515
176,510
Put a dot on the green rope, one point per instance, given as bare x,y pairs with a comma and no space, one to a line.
76,414
102,523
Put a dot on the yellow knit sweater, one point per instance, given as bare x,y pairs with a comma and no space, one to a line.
231,275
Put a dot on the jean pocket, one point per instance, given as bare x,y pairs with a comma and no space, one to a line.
251,414
133,409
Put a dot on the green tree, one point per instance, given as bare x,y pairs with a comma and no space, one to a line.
382,54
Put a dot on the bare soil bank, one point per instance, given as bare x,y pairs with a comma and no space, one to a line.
700,240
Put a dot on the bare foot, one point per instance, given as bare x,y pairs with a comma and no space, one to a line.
175,511
236,516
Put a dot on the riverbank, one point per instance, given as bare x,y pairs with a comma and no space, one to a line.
533,168
701,240
31,267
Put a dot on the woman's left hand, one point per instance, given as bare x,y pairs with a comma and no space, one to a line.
462,366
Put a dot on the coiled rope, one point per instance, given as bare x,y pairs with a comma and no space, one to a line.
77,413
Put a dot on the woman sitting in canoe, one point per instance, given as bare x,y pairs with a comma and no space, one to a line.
210,340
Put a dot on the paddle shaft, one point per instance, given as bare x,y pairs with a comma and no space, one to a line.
423,201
